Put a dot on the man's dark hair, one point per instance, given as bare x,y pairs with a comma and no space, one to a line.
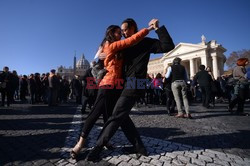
131,23
53,71
202,67
177,61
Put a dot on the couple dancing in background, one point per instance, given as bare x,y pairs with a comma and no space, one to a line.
126,58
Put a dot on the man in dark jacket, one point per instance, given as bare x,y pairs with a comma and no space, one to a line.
6,80
204,79
135,67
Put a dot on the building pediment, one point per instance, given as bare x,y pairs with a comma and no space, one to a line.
183,49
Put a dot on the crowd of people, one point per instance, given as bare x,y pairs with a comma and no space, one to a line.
50,88
120,60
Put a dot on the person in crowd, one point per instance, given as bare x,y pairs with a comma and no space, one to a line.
241,87
149,90
38,87
170,102
53,88
89,94
23,88
64,89
45,85
77,88
179,79
135,66
109,87
158,88
6,80
15,86
214,87
32,88
204,79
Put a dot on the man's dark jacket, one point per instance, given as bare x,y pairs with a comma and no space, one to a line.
203,78
136,58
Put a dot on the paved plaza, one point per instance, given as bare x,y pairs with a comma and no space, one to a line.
42,135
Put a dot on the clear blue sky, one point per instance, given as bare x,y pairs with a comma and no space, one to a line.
38,35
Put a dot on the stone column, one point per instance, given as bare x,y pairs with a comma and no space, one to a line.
192,68
215,65
204,60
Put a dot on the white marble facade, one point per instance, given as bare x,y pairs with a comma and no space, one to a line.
193,55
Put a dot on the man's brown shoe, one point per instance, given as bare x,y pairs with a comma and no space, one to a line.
179,116
188,116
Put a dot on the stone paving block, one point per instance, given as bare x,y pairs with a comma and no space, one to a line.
70,164
167,163
197,151
167,149
150,150
54,160
72,161
173,146
146,164
62,162
178,163
106,158
205,158
145,159
134,162
247,159
124,158
234,157
198,162
191,164
184,159
215,152
171,155
178,152
48,164
156,162
164,143
40,161
221,162
183,148
212,155
241,162
224,157
160,152
115,161
155,156
124,164
191,155
165,158
29,163
133,156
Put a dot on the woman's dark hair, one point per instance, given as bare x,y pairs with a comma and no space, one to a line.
109,35
131,23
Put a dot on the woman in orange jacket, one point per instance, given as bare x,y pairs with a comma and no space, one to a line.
109,87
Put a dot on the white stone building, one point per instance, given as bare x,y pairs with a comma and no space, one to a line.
193,55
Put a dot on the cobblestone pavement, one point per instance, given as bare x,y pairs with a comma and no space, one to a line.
41,135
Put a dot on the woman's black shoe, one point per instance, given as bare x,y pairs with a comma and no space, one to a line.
94,154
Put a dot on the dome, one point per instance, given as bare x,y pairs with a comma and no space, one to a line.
82,63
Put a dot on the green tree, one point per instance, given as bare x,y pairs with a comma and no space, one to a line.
235,55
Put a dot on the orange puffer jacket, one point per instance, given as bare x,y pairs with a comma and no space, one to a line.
114,65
